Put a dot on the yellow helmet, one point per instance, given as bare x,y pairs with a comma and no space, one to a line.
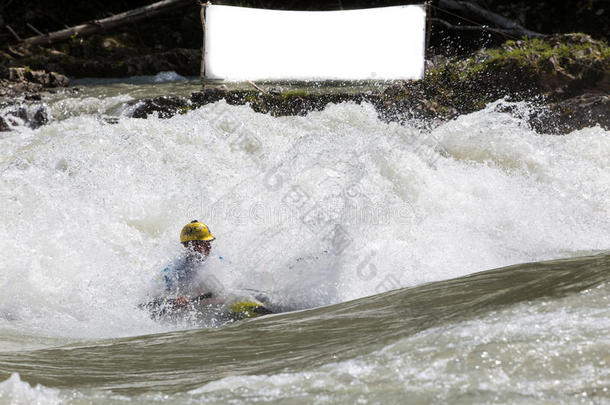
195,231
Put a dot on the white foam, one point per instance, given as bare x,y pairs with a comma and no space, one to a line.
169,76
91,211
85,105
16,392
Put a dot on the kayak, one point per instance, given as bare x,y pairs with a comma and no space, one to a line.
204,309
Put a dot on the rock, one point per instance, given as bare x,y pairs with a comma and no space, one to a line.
39,118
571,72
210,95
573,114
21,80
165,106
51,79
559,68
16,74
110,43
3,125
38,76
216,92
58,80
31,115
111,120
395,89
21,113
198,98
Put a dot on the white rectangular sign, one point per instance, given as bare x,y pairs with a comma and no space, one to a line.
369,44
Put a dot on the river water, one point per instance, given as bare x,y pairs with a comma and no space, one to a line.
467,263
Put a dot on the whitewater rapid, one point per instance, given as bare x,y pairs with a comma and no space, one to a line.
314,210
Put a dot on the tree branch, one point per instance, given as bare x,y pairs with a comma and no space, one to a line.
470,27
115,21
508,26
17,37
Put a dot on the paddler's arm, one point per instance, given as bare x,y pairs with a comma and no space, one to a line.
203,299
180,302
207,299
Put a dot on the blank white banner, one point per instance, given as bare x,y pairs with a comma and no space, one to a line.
370,44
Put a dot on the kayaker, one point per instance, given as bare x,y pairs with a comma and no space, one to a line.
183,279
184,285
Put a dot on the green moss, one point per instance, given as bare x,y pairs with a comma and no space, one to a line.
572,52
185,109
250,98
294,93
558,66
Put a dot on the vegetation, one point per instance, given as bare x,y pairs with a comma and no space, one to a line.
556,68
470,68
175,37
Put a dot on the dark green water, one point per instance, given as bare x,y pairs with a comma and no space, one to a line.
559,309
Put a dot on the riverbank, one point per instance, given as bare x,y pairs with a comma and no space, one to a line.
566,78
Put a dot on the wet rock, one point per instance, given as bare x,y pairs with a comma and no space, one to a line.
51,79
111,120
571,73
573,114
210,94
558,67
23,114
19,112
16,81
395,89
39,118
164,106
3,125
16,74
58,80
38,76
566,70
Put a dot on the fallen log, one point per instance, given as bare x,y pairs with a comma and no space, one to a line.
509,26
108,23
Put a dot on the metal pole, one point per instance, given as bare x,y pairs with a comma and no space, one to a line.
428,29
202,71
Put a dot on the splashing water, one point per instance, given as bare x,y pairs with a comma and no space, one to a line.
313,210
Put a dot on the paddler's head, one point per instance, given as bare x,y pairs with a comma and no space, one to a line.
196,237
